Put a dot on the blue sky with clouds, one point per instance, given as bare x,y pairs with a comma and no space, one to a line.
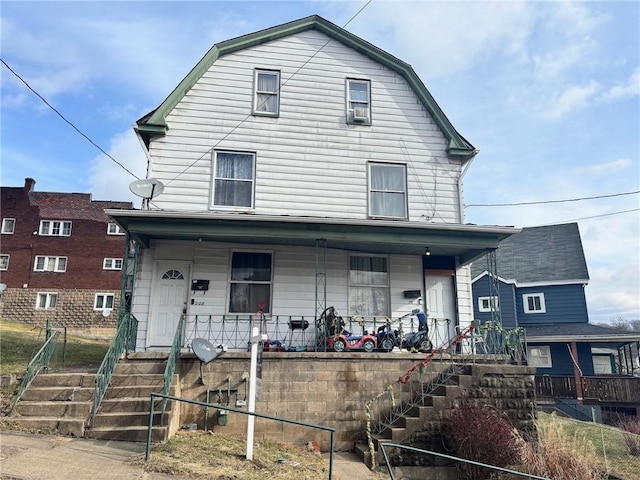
548,91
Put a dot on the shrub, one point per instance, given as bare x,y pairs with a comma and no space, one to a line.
482,434
631,435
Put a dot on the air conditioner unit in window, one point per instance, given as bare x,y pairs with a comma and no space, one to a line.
360,114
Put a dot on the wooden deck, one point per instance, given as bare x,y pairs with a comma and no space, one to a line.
605,389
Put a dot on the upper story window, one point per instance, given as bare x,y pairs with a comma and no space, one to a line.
358,101
533,303
8,226
266,100
4,262
114,229
112,264
368,285
46,301
488,304
50,264
387,190
233,179
56,228
250,282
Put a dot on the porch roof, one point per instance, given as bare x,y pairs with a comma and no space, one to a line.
466,242
605,337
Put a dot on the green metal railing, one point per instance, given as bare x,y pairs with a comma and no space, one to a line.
124,340
331,430
38,363
172,361
385,445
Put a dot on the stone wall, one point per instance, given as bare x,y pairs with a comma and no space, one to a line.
73,310
326,389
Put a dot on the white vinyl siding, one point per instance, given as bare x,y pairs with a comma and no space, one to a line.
112,264
46,301
533,303
50,264
103,301
266,100
55,228
8,226
311,161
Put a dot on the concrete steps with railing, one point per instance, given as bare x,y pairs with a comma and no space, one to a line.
124,412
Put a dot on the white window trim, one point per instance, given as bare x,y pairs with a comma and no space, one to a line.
104,296
47,306
5,230
249,282
547,350
493,301
110,264
51,223
56,268
276,94
525,302
114,229
4,268
371,190
387,287
350,111
235,208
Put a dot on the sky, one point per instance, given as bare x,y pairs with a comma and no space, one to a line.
547,91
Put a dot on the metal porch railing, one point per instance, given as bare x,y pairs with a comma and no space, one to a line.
172,362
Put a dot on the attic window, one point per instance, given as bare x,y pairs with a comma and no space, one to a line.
358,101
266,100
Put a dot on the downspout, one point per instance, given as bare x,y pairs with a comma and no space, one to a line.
145,204
459,184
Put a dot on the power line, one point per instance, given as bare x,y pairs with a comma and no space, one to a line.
65,119
550,201
593,216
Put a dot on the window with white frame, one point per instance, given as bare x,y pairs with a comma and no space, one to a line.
250,282
103,301
368,285
4,262
388,190
46,301
8,226
112,264
114,229
533,303
55,228
488,304
358,101
539,356
266,100
50,264
233,179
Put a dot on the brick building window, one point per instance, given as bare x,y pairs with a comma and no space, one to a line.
4,262
46,301
55,228
112,264
50,264
103,301
8,226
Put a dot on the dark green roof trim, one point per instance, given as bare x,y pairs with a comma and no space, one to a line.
155,122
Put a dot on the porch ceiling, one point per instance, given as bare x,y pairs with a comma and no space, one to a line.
466,242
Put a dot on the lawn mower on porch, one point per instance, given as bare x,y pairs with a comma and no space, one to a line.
335,337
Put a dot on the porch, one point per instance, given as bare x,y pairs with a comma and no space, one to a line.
600,390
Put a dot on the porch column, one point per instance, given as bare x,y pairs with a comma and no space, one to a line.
576,371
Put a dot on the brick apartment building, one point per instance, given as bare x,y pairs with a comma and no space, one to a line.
60,258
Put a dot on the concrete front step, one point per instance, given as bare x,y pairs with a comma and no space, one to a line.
128,419
139,379
53,409
133,391
62,426
135,404
128,434
64,379
126,367
58,394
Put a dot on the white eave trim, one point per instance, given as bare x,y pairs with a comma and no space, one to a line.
549,283
584,338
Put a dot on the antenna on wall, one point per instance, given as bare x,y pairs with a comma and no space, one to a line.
147,188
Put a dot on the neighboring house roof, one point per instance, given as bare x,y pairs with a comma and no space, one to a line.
547,254
154,123
73,206
578,332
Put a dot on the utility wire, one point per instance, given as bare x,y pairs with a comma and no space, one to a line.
65,119
278,91
598,216
550,201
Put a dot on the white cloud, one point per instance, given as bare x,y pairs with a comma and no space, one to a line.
572,98
608,167
628,89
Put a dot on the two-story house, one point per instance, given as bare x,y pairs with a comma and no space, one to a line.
300,167
542,275
60,258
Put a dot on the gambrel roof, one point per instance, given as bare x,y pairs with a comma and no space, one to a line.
154,123
546,254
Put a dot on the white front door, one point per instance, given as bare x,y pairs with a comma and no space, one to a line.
440,305
169,300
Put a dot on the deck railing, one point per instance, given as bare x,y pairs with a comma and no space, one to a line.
603,388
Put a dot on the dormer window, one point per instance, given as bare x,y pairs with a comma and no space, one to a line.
358,101
266,100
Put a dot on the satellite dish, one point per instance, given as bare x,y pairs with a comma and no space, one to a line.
203,350
106,312
3,287
147,187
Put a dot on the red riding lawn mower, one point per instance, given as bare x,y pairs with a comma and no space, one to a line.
331,328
